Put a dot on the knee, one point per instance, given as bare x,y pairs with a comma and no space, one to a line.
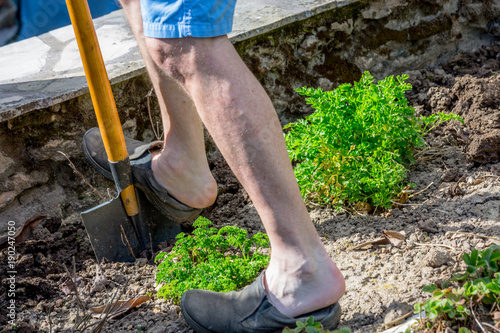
172,56
183,58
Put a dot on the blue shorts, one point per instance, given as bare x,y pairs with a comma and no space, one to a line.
187,18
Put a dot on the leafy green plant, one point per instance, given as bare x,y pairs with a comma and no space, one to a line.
429,123
479,287
219,260
445,304
481,264
358,143
310,326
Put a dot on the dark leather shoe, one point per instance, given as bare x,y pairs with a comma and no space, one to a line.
245,311
140,161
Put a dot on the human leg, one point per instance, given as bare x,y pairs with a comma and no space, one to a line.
234,107
238,113
181,166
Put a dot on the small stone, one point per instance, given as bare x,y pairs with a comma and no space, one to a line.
450,175
72,317
495,169
325,84
428,225
5,165
439,71
121,279
427,272
396,212
98,286
436,258
141,262
395,311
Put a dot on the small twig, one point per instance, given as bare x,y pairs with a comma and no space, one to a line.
418,153
151,242
414,194
156,132
491,326
402,204
471,234
128,244
84,320
431,244
397,320
80,303
81,175
442,211
358,212
102,320
493,176
475,318
50,320
431,153
441,158
109,193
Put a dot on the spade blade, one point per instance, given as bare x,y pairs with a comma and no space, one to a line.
104,226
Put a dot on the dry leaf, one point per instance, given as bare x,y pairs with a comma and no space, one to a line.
378,241
393,234
390,237
119,307
394,237
496,316
22,233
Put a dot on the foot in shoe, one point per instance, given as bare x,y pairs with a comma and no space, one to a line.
188,182
295,288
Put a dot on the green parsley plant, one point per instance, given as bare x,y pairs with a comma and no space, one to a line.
355,147
219,260
358,144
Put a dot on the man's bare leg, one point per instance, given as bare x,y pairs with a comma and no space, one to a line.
234,107
182,166
207,76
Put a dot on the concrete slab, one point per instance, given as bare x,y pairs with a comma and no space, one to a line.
43,71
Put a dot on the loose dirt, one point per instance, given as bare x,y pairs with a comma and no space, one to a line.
459,211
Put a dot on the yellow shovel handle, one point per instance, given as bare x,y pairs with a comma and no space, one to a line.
100,92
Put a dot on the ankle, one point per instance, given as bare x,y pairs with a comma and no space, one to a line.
295,288
186,181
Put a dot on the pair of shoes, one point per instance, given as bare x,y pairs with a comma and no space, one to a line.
248,310
140,160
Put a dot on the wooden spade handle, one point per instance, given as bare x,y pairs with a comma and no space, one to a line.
100,92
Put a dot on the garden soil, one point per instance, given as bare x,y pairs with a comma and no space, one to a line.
457,210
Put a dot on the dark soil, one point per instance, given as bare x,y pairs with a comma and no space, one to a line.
383,282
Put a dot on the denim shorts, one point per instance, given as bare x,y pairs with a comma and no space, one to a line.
187,18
